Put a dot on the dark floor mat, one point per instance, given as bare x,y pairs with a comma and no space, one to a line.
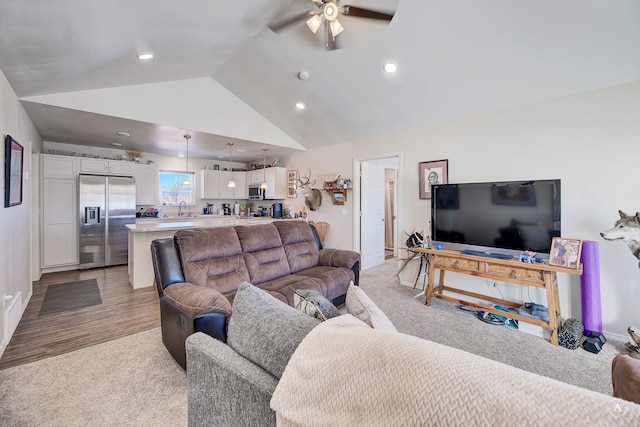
69,296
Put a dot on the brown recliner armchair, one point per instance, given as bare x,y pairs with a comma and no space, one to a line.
218,260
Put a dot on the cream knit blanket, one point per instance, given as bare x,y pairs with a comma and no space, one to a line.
347,374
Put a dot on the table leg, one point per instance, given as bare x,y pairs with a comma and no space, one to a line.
441,283
431,277
553,306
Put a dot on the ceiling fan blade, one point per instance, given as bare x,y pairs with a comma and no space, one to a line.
365,13
282,24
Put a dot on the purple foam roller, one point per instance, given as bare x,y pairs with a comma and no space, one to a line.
590,287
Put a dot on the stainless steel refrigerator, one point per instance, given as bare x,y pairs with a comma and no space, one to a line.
106,205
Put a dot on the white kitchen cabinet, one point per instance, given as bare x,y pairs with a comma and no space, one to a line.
59,222
213,185
99,166
241,191
63,167
255,176
209,183
276,183
107,167
119,167
147,186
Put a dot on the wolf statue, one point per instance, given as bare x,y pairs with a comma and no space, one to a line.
627,229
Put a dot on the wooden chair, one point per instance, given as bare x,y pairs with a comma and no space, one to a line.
323,230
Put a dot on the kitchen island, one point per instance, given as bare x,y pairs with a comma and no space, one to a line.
144,231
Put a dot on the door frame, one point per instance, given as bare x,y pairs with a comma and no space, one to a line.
357,199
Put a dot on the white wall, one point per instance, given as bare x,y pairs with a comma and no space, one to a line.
15,246
590,141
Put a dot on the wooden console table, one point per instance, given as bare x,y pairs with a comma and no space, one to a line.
512,271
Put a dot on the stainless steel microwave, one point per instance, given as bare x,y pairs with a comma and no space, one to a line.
255,192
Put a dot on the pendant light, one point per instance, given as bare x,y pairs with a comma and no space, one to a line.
231,183
187,181
264,170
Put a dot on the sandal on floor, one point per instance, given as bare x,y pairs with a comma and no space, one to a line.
490,318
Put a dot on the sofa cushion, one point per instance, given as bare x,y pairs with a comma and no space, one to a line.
314,304
212,257
332,282
196,300
263,252
265,330
299,243
625,377
361,306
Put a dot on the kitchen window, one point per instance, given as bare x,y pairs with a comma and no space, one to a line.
174,189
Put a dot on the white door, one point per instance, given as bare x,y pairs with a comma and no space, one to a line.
372,220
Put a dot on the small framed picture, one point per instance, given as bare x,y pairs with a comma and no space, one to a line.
292,176
565,252
434,172
338,198
291,191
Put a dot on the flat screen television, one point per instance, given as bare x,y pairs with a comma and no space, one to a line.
499,219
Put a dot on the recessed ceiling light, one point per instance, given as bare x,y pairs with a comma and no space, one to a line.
219,157
303,75
144,55
123,133
240,150
300,105
390,67
180,155
116,144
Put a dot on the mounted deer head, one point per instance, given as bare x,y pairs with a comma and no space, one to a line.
312,196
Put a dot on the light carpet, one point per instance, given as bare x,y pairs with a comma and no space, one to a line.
444,323
131,381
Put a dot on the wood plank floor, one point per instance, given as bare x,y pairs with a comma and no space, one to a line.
124,311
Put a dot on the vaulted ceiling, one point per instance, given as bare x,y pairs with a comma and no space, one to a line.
220,73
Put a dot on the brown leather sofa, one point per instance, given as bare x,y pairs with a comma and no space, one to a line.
198,271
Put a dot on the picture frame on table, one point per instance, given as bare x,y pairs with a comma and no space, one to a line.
565,252
291,191
432,172
13,164
292,176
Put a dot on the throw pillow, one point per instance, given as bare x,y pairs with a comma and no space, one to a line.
314,304
266,330
361,306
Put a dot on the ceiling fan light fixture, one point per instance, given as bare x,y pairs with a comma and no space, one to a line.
330,11
314,23
300,105
336,27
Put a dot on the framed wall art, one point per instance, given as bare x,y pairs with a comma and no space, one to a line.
291,191
291,177
433,172
565,252
13,161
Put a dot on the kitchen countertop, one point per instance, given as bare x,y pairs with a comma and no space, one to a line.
205,221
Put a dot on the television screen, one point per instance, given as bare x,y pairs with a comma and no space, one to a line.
496,217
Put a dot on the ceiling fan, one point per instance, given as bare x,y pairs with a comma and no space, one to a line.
327,12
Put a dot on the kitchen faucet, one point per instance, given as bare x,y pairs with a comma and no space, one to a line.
180,207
